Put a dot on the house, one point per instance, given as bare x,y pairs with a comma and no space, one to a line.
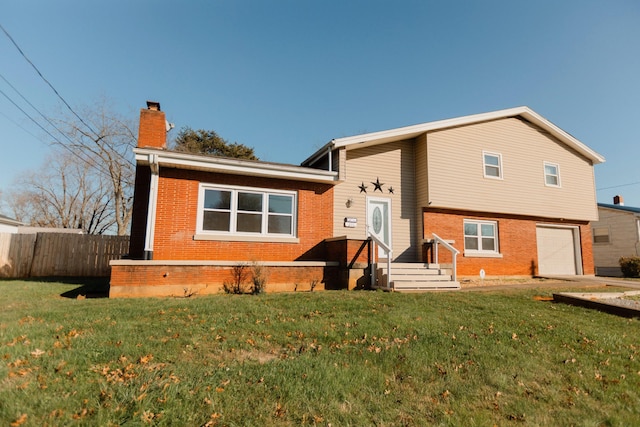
504,193
615,234
9,225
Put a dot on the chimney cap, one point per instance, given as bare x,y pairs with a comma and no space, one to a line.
153,105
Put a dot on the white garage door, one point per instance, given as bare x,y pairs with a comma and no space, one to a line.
556,250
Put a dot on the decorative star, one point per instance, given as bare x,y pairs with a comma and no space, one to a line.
377,185
363,188
390,190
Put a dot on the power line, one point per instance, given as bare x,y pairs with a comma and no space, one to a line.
47,81
19,125
97,138
618,186
73,152
29,116
32,106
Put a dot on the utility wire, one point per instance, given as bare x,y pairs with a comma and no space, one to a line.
618,186
98,136
73,152
47,81
32,106
29,116
19,125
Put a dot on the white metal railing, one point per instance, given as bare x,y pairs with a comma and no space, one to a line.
388,251
454,252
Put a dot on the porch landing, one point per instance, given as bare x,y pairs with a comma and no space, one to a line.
415,277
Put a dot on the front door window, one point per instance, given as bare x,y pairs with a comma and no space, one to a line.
379,221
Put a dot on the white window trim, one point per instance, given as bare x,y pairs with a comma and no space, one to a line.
264,236
544,171
482,253
484,165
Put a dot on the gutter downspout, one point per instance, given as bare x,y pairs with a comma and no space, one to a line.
151,209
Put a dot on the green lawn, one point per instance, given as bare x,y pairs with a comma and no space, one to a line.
321,358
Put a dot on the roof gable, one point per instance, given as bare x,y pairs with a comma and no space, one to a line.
408,132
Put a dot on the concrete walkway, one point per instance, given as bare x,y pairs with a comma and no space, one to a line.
609,281
552,282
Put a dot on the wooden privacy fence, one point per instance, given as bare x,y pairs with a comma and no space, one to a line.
59,254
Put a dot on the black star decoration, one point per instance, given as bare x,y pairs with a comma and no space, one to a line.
363,188
377,185
390,190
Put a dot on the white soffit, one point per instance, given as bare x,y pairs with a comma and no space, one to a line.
408,132
233,166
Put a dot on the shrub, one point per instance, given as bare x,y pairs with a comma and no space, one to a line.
239,275
630,266
260,275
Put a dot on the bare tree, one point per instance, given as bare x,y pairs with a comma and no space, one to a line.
64,193
103,140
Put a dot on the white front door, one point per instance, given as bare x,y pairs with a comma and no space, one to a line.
379,221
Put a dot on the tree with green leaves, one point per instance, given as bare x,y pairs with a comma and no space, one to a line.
209,142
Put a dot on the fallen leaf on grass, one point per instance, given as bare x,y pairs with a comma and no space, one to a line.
146,359
280,411
21,420
37,352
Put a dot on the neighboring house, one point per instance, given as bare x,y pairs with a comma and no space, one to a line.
9,225
615,234
506,192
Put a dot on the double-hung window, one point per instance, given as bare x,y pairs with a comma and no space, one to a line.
551,174
601,235
480,237
246,211
492,165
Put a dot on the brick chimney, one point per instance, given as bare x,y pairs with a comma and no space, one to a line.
153,127
618,200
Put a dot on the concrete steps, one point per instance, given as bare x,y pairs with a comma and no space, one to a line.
412,277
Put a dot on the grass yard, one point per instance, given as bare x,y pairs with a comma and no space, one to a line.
321,358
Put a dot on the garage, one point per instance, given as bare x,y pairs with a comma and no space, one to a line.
558,250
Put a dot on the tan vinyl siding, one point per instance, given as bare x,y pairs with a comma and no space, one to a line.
422,185
456,174
623,237
393,165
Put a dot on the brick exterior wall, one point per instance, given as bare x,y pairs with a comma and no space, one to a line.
586,240
517,240
132,279
177,212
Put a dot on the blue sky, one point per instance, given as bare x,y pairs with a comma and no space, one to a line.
285,77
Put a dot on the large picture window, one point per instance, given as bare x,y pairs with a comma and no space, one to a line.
246,211
480,237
